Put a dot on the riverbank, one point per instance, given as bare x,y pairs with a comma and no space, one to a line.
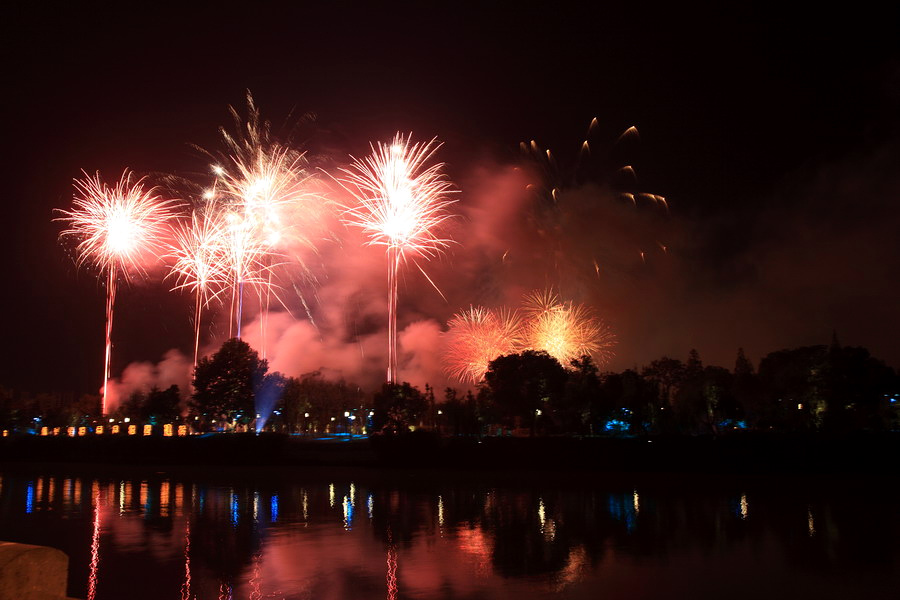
745,453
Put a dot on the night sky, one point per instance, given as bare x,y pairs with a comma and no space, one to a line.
772,135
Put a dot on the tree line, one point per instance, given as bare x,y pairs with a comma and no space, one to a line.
831,388
815,388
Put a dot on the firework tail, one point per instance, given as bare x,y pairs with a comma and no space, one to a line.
231,311
393,270
110,303
240,307
197,308
264,302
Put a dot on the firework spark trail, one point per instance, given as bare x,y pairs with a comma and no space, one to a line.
477,336
401,204
565,330
200,261
118,228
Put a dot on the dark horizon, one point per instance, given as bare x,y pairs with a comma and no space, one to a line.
772,136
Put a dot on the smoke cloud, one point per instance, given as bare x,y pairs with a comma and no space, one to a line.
173,369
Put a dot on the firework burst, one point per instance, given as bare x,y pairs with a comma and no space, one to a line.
272,193
565,330
118,229
267,191
476,337
401,204
200,261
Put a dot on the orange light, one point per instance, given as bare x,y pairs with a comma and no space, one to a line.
44,431
164,499
132,429
99,430
182,430
115,429
167,430
70,431
82,430
148,429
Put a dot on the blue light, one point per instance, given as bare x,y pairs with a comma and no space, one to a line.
348,514
617,426
621,508
273,509
29,498
234,510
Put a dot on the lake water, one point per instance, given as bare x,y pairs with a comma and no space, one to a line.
369,534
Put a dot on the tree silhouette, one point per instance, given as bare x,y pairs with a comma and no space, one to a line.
295,404
794,388
694,366
668,374
746,391
520,385
225,385
163,406
742,364
580,409
398,406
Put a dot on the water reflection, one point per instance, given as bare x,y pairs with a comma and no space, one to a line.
29,498
95,542
186,586
391,569
163,537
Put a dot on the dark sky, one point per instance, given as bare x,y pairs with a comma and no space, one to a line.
773,135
